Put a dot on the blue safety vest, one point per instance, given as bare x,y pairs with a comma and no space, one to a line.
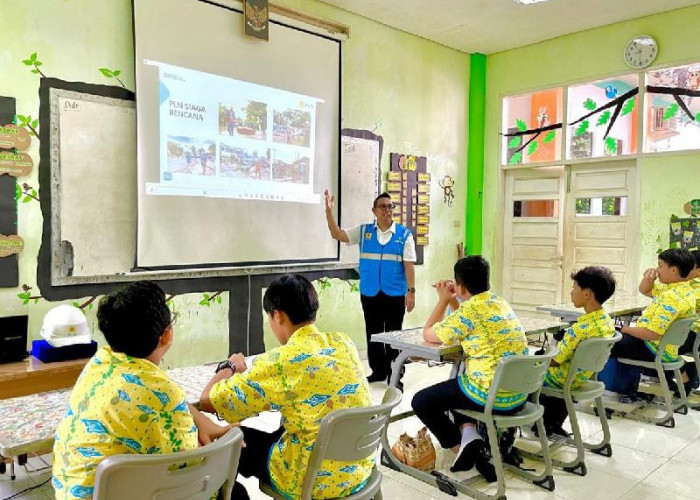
381,266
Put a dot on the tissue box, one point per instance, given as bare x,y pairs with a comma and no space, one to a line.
45,352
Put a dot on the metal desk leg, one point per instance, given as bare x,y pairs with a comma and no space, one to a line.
397,367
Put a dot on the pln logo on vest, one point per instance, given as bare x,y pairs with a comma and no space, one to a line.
368,236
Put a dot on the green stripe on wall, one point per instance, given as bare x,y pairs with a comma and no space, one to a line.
475,153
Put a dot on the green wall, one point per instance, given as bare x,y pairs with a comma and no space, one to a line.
667,181
413,91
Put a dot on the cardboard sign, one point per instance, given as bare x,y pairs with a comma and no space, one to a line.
12,136
16,165
10,245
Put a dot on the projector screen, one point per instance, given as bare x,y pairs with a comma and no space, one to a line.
237,138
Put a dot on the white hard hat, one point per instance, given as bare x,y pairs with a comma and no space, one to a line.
65,325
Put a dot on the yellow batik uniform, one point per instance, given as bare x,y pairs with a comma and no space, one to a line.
312,375
488,330
695,284
119,405
671,302
593,325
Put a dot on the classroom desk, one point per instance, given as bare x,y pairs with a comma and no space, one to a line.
617,307
32,376
410,344
28,423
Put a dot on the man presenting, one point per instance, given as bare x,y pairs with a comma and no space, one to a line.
387,276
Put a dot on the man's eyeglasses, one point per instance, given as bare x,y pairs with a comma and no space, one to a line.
386,206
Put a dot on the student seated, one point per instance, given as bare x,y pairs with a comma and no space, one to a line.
310,375
591,288
651,288
123,402
488,330
675,301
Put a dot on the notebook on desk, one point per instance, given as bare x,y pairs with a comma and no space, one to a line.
13,338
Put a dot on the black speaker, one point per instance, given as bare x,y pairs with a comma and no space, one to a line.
13,338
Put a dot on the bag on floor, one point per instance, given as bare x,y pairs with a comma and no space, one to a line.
619,377
417,452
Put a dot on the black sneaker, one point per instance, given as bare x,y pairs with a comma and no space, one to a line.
375,377
465,460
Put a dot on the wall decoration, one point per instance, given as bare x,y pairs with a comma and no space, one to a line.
12,139
15,164
582,146
692,208
113,73
10,245
446,184
14,136
408,184
256,19
35,62
685,233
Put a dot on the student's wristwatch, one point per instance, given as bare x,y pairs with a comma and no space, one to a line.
225,364
411,290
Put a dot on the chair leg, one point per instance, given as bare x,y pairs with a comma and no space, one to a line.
666,420
548,481
378,494
683,408
496,459
576,466
603,447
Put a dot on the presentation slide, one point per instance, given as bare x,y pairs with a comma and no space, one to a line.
237,139
227,138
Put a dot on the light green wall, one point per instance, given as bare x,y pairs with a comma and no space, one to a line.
413,91
666,182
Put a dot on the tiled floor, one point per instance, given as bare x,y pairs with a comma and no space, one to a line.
648,462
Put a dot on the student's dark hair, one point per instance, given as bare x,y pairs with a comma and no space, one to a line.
598,279
383,195
696,256
294,295
134,317
680,258
473,273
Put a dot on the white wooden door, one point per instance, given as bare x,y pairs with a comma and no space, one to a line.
601,223
533,237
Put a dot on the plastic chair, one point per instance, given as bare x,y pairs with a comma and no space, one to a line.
675,336
348,435
696,359
523,374
158,477
591,355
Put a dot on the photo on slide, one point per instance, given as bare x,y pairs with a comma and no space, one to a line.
187,155
245,162
243,118
291,126
289,165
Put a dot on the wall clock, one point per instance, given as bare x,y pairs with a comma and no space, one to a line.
641,51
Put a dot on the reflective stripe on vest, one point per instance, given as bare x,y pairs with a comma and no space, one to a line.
379,256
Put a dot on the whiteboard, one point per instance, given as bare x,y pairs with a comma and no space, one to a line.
359,180
93,146
92,160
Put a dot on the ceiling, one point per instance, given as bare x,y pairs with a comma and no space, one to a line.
489,26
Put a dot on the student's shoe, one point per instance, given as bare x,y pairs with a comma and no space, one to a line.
375,377
465,460
485,468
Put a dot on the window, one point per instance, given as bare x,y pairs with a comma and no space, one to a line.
536,208
605,206
673,109
602,118
532,127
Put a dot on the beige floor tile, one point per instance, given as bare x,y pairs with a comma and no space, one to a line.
646,492
680,477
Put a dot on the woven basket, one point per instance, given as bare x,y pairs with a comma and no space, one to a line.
417,452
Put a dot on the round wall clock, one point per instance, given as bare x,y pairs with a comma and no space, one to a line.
641,51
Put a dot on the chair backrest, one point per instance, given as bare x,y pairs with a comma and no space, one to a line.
523,374
677,333
591,355
349,435
159,477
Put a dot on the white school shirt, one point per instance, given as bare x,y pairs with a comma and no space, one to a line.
409,248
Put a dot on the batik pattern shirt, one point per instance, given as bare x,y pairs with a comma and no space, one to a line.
593,325
119,405
670,302
312,375
487,330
